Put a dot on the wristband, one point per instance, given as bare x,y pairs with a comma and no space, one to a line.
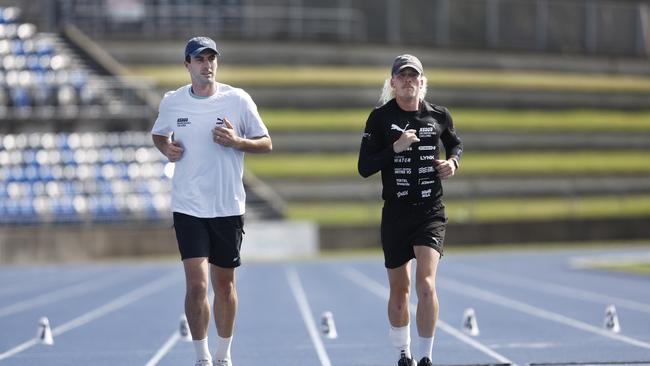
455,161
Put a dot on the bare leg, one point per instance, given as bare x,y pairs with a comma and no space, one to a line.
197,308
225,299
399,280
425,285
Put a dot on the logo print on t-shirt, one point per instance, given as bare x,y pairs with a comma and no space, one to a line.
182,122
398,128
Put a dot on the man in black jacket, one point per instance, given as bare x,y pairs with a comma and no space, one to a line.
401,139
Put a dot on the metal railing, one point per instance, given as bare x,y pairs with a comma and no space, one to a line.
604,27
246,20
111,98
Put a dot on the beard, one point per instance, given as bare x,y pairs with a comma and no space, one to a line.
408,93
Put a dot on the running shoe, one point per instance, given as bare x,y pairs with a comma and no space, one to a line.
203,363
222,363
425,361
405,361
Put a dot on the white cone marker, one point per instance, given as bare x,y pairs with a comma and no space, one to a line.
611,319
327,325
184,329
470,325
44,333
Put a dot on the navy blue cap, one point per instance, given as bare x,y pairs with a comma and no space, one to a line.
403,61
197,45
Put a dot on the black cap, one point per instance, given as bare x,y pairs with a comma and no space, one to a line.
403,61
197,45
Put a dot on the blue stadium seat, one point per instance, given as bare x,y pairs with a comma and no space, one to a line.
9,15
72,177
20,97
44,48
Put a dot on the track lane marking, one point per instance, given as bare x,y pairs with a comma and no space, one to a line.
175,337
380,290
62,293
116,304
51,280
166,347
172,340
305,311
551,288
472,291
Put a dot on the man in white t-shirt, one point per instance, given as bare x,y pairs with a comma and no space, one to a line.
205,128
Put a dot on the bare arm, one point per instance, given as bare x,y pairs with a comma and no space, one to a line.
446,168
261,144
226,136
171,149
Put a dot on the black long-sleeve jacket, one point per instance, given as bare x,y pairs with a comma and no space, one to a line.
409,176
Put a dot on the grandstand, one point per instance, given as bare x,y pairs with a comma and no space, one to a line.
50,174
74,144
45,86
75,150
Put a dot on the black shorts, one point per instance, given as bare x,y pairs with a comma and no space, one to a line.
405,225
217,238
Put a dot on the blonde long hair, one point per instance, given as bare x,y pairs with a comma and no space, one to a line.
388,93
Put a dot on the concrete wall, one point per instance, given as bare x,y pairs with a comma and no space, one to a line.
502,233
68,243
62,243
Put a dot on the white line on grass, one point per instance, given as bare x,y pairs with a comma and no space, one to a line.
381,291
551,288
99,312
471,291
305,310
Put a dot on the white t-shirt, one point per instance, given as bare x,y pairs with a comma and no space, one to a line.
207,180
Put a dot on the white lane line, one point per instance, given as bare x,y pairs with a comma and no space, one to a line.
173,339
589,261
97,313
45,279
60,294
471,291
305,310
382,291
536,285
171,342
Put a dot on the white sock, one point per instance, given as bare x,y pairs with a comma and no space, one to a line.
400,337
223,348
426,347
202,350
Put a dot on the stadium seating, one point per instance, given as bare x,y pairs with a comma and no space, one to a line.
81,177
39,79
56,177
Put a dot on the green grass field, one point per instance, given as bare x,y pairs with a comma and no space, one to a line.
285,76
171,77
485,210
307,166
480,164
466,119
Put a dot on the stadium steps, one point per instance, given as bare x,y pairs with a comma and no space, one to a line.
363,97
369,190
262,202
78,62
287,53
347,141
